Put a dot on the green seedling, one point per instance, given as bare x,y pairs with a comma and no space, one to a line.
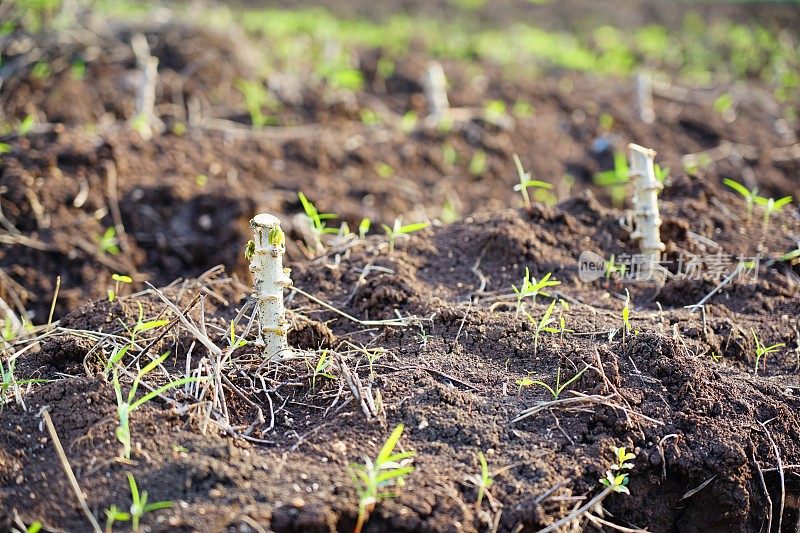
118,280
662,173
477,165
626,316
532,287
10,385
522,109
612,267
749,196
107,243
495,111
115,514
373,478
791,256
408,122
772,206
128,404
139,507
616,180
556,391
617,476
369,117
398,229
256,97
449,154
449,212
384,170
321,369
235,342
763,351
78,69
363,227
317,221
27,124
525,182
482,481
543,325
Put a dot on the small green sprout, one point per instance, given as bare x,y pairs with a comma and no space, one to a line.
363,227
249,250
10,385
616,179
449,154
408,122
107,243
556,391
543,325
482,481
723,103
115,514
522,109
495,111
763,351
662,173
526,182
321,369
201,180
617,478
118,279
256,98
276,236
771,206
234,342
78,69
477,165
140,507
749,196
318,221
369,117
626,316
384,170
27,124
128,404
373,477
398,229
791,256
612,267
532,287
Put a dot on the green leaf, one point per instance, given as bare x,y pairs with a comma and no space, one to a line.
411,228
149,396
738,187
147,326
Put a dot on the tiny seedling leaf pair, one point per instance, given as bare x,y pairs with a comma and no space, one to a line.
372,479
532,287
616,477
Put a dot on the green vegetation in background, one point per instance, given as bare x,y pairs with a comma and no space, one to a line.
314,40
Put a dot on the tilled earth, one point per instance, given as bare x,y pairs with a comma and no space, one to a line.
679,389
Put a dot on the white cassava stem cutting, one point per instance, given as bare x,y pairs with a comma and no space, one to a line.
647,221
146,121
434,84
644,97
265,253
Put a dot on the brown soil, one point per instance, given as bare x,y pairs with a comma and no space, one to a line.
679,389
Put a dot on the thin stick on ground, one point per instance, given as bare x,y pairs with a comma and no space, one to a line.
577,513
766,492
68,470
53,304
716,289
780,472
